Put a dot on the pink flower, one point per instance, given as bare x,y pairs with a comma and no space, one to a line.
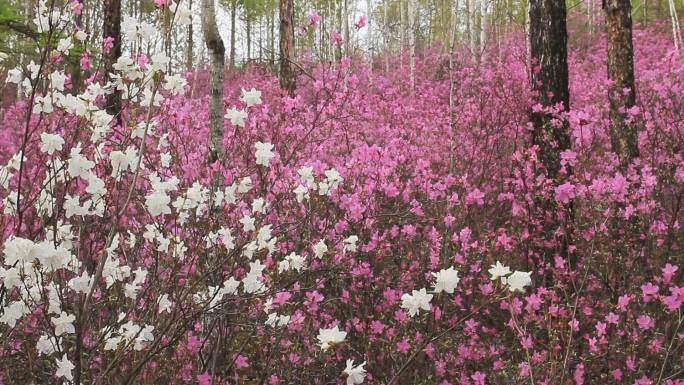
85,60
565,193
479,378
108,44
314,19
645,322
161,3
669,272
579,374
475,196
649,290
403,346
204,379
361,22
336,38
241,362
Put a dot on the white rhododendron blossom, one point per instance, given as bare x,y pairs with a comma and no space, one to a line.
446,280
355,374
236,117
498,271
251,97
417,300
264,153
518,280
328,338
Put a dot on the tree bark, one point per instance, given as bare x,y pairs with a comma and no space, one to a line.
112,28
548,48
189,49
412,42
287,74
233,11
216,49
622,93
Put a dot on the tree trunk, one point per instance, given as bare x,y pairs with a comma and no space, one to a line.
233,11
217,51
483,26
189,52
248,26
549,76
287,75
386,28
549,51
412,42
112,28
622,93
676,31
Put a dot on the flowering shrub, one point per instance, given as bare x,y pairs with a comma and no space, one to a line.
354,233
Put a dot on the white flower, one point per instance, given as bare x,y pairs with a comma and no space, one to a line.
160,61
259,206
447,280
175,84
236,117
244,185
64,368
64,324
355,374
264,153
498,270
518,280
80,284
328,338
350,243
164,303
49,143
45,345
295,261
158,203
14,76
81,35
306,173
301,193
65,45
251,97
12,313
320,249
415,301
247,223
79,165
57,79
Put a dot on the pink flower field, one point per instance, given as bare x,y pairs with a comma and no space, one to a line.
393,220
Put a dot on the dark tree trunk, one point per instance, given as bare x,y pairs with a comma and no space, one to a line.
549,54
189,53
233,11
623,135
217,51
548,46
287,75
248,25
112,28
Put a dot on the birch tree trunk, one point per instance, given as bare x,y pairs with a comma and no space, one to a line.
216,49
676,31
412,42
287,75
621,72
385,22
483,27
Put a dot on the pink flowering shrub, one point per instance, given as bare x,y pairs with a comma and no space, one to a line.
358,232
